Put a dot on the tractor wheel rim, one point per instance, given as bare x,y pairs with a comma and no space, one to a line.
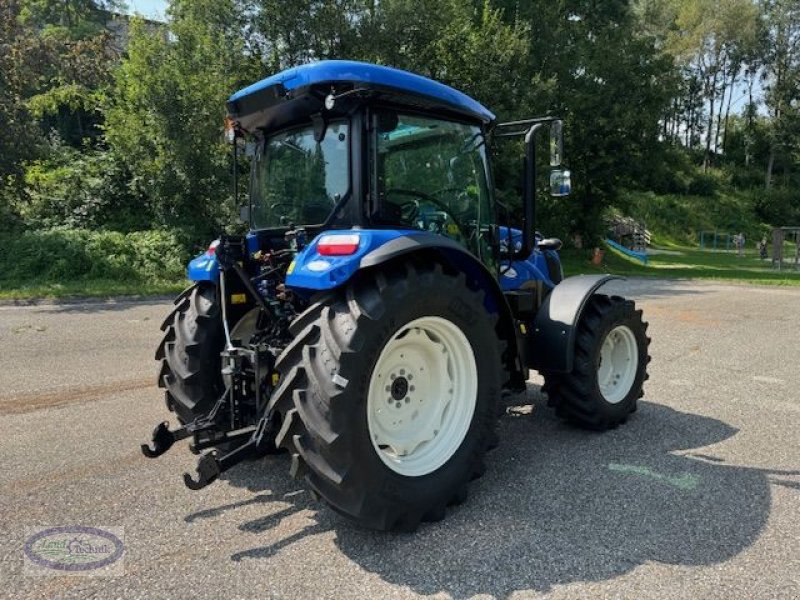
246,327
422,396
619,360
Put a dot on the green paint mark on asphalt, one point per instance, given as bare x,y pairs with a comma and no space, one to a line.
684,481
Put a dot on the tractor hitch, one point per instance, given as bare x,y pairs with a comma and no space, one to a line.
234,420
211,465
163,439
207,472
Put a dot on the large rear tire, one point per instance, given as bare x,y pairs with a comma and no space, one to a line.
355,383
609,367
189,353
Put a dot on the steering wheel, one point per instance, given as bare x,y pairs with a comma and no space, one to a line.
410,209
461,199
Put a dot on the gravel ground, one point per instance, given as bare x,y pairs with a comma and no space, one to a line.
697,496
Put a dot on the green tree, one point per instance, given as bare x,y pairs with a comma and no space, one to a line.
285,33
19,141
782,70
611,84
166,111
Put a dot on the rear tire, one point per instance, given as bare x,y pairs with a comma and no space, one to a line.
327,394
190,353
609,367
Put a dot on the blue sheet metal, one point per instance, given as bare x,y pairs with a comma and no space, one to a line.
330,71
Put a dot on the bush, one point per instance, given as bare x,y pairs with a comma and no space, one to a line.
79,190
79,254
679,218
776,205
703,184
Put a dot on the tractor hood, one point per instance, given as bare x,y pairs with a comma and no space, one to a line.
295,94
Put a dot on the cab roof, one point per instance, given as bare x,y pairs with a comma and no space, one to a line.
264,104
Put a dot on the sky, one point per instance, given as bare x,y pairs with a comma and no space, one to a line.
153,9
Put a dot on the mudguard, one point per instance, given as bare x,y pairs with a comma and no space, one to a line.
204,267
312,272
551,344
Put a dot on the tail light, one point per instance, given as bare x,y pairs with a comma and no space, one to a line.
212,248
338,245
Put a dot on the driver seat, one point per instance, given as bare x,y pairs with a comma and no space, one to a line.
549,244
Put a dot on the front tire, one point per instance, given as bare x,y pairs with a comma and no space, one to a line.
609,366
361,439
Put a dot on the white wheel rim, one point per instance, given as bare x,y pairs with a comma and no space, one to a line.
619,359
245,327
422,396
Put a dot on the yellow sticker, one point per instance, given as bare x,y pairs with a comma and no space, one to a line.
275,379
290,269
452,228
238,298
522,328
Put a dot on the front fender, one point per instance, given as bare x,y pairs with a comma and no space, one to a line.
551,344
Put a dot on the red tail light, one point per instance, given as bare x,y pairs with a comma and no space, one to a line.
338,245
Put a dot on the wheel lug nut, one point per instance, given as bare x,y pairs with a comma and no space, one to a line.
397,405
402,371
410,376
412,387
408,400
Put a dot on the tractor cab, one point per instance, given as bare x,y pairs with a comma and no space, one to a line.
338,145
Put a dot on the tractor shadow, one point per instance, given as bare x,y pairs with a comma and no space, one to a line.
557,505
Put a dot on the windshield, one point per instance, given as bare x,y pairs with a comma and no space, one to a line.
297,180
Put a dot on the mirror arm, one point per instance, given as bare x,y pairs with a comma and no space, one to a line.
529,191
235,173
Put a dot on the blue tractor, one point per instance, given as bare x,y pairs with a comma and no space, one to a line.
377,310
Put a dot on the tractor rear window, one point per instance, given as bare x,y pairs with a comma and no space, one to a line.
297,180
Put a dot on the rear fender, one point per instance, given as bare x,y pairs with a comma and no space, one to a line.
551,344
478,277
312,272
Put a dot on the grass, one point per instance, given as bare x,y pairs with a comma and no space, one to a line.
686,262
97,288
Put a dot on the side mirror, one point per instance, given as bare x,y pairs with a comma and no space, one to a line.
244,214
556,143
560,182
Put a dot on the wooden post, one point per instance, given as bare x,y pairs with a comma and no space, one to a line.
777,247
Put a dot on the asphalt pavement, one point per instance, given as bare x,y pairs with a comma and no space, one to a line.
697,496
